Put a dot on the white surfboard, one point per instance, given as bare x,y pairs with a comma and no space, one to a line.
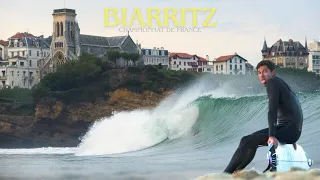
287,157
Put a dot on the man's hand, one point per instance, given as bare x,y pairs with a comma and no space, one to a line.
273,140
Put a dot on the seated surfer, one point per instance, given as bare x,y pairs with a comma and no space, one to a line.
284,119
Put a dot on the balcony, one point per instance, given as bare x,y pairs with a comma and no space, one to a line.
3,78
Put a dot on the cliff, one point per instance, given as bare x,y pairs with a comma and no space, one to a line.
61,125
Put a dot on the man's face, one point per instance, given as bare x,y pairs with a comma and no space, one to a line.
264,74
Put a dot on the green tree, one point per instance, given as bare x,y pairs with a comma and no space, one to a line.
134,57
113,55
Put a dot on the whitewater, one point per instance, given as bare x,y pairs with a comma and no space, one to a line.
192,132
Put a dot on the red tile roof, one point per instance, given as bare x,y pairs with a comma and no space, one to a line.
21,35
224,58
180,55
227,57
5,43
185,56
201,58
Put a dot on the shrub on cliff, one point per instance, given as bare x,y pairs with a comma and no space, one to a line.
22,95
74,80
300,79
16,101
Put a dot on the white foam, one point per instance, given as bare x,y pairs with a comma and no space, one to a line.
45,150
139,129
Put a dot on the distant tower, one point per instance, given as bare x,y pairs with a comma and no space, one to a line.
65,36
264,49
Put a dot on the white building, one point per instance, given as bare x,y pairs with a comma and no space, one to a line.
314,62
185,61
3,74
230,64
18,73
3,50
314,57
22,67
155,56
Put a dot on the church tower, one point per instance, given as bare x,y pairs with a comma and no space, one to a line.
65,36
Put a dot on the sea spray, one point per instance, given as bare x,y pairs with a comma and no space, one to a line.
139,129
123,132
135,130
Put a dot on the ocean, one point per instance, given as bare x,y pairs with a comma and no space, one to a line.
192,132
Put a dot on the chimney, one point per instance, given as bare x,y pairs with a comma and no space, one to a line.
207,57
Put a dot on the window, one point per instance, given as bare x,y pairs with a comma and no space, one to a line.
37,53
23,53
240,67
230,67
30,63
21,63
58,29
230,60
29,52
216,67
61,26
221,67
240,60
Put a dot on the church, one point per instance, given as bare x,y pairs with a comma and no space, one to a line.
68,44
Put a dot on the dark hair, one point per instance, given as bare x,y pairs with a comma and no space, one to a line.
267,63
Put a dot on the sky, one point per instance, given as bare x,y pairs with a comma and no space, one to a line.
242,25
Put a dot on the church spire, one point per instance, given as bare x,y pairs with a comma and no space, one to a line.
265,47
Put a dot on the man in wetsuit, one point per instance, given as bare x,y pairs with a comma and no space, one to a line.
284,118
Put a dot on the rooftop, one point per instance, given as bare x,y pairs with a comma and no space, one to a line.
64,11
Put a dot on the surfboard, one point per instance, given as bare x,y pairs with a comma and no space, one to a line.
285,156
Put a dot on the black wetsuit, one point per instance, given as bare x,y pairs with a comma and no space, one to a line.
284,106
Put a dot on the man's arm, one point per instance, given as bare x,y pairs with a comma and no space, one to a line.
273,94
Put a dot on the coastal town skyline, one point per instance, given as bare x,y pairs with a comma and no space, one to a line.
241,26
